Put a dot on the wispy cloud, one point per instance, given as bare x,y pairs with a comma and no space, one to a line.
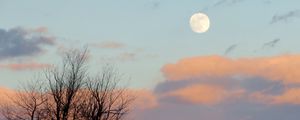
24,66
271,43
226,2
41,29
120,57
285,16
127,56
19,42
154,4
220,3
230,49
109,45
135,54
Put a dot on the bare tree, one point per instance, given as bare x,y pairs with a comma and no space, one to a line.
69,93
64,84
26,104
106,101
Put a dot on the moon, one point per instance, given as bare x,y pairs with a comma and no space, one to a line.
199,22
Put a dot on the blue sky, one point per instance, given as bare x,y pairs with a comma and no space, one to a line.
158,28
142,37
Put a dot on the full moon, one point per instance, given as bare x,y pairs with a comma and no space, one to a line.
199,22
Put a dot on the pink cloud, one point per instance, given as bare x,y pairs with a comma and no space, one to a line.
144,99
284,68
110,45
205,94
289,96
6,94
214,79
41,29
24,66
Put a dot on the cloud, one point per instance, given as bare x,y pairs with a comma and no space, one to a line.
285,16
230,49
19,42
226,2
24,66
204,94
278,68
212,80
221,88
198,94
214,91
271,43
39,30
153,4
289,96
110,45
127,56
120,57
145,99
6,94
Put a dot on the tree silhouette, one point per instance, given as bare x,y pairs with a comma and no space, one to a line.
70,93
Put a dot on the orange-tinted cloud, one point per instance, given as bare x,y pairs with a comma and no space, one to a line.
290,96
41,29
6,94
24,66
284,68
144,99
110,45
205,94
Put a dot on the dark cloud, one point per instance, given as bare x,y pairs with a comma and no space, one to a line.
239,108
285,16
19,42
250,84
223,94
179,112
233,111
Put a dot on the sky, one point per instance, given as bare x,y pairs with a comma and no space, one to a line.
245,67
